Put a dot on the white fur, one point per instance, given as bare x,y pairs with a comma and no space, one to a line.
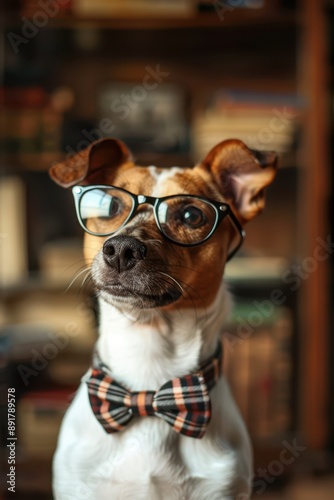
161,177
149,460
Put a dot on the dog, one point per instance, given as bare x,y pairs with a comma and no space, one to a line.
153,418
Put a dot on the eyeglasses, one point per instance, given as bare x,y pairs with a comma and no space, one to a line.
185,220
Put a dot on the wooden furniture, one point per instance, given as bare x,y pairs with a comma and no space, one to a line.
314,224
272,50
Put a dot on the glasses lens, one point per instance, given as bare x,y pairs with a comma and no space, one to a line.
186,220
104,210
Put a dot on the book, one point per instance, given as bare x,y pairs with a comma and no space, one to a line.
13,237
131,8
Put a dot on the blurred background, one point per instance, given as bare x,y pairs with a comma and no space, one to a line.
172,78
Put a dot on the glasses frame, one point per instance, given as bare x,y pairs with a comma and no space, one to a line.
222,210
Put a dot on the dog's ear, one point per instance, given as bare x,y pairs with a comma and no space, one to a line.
241,175
89,163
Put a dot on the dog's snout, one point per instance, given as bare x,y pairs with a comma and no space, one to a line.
123,252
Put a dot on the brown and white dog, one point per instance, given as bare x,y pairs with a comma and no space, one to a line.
158,268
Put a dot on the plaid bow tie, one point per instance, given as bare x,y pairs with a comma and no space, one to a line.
184,403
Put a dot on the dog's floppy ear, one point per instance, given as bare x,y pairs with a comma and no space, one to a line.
100,155
241,174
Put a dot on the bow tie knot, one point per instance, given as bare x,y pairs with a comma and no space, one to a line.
184,402
141,403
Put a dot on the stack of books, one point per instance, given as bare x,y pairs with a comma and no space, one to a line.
262,121
258,364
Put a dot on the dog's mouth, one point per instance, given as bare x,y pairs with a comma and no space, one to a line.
119,294
144,289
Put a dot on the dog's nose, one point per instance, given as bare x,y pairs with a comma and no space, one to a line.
123,252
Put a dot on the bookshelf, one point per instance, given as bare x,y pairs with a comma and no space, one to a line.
271,51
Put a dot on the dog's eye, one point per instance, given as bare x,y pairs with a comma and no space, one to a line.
112,207
115,207
192,217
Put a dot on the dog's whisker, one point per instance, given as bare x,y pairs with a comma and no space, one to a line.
87,277
173,280
76,263
85,284
86,269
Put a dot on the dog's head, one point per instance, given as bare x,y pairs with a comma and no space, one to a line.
147,252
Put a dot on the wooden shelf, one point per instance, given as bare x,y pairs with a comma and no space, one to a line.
237,18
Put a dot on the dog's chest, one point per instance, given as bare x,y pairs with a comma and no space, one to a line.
143,462
147,449
151,461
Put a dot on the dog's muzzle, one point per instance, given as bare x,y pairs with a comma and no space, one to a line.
130,273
